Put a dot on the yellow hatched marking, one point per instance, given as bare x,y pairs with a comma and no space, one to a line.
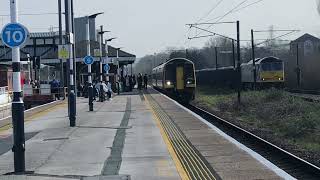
188,153
181,170
187,150
44,112
34,116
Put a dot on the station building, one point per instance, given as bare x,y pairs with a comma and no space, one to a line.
42,48
302,68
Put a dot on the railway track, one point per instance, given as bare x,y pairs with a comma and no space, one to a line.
286,161
307,95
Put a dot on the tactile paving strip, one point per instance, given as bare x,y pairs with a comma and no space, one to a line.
193,163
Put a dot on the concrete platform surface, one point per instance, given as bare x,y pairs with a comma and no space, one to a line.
227,158
133,136
119,140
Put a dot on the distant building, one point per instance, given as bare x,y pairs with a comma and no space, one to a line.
303,67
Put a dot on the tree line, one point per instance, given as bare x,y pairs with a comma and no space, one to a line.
215,48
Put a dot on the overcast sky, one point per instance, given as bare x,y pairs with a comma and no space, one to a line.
148,26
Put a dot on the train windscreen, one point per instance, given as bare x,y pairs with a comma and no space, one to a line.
275,66
170,73
189,73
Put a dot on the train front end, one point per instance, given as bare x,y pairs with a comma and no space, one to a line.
272,71
180,79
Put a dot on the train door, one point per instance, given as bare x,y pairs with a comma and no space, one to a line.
179,77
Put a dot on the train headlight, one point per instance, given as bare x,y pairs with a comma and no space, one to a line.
190,81
168,83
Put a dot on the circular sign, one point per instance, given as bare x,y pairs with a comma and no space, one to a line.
106,68
14,35
88,60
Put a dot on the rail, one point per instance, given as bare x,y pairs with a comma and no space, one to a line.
293,165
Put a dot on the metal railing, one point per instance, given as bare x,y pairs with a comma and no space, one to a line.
45,90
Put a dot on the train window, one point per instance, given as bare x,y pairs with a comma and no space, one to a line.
266,67
170,73
189,71
277,66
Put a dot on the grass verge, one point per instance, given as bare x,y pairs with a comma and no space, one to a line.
288,121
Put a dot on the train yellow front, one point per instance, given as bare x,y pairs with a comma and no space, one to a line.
176,77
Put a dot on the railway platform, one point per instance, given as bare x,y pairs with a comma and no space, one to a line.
139,135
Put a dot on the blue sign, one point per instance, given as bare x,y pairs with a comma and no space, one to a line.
106,68
88,60
14,35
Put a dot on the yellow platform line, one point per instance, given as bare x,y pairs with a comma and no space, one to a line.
34,116
185,155
45,112
181,170
186,151
190,150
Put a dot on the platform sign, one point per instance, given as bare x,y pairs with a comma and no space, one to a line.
88,60
96,52
14,35
106,60
106,68
63,52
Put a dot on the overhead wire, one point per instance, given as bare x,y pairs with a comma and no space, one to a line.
237,10
210,11
233,10
229,12
226,14
286,34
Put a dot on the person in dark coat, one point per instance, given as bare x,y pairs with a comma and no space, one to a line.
139,81
55,88
145,81
85,90
134,81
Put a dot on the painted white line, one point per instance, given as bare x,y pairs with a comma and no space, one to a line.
255,155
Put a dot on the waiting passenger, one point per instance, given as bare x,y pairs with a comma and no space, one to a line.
139,81
127,83
55,88
134,81
107,88
145,81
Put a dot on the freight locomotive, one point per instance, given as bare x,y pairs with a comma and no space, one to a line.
269,73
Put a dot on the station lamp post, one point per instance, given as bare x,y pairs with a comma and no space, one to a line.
60,43
90,87
29,68
69,42
118,70
107,51
101,99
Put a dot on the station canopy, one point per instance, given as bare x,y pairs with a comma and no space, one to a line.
45,44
